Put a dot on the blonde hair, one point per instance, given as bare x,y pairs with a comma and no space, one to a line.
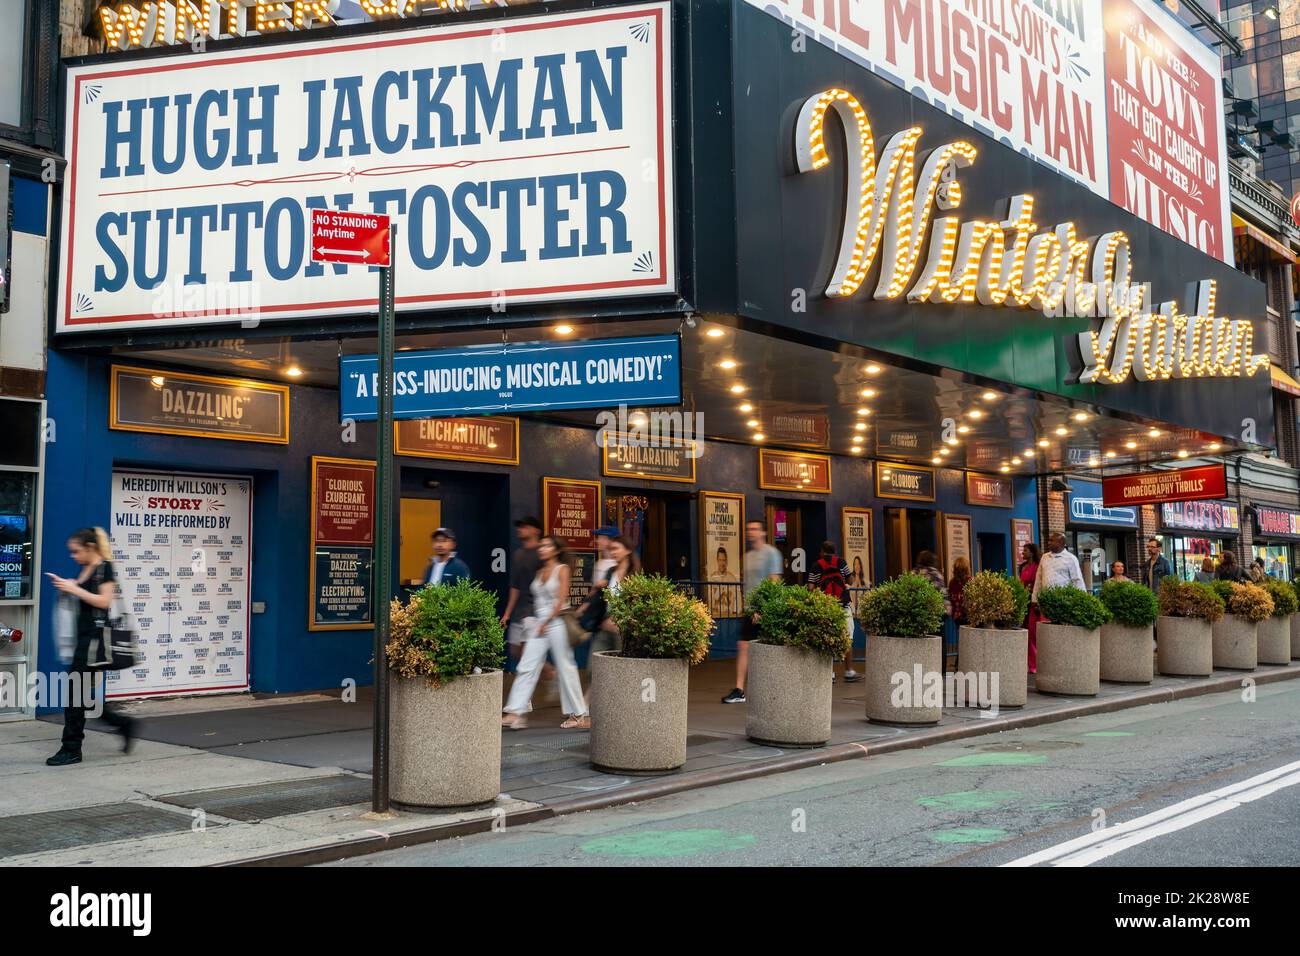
961,569
96,538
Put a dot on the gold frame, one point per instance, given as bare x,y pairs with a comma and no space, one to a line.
945,520
933,481
604,462
548,480
871,537
398,450
1015,546
116,425
764,452
988,504
704,554
311,565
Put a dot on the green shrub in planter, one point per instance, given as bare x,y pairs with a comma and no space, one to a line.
657,620
445,632
1072,607
1285,602
992,600
1129,603
908,606
1190,599
793,616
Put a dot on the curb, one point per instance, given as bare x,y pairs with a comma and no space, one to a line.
813,758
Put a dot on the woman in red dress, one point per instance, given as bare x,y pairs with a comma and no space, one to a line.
1029,558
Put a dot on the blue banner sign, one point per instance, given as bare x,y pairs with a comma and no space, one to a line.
1086,507
529,376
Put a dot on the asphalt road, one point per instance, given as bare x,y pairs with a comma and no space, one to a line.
982,802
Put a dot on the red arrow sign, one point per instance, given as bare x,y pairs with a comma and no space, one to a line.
341,236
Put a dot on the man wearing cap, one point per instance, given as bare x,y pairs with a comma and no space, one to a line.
445,567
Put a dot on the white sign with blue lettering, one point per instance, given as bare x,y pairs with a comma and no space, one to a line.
522,160
528,376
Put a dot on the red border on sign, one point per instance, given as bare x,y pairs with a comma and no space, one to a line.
1216,479
289,53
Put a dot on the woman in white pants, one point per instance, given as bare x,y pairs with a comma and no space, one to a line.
550,590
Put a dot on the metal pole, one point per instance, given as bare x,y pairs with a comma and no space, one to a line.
383,529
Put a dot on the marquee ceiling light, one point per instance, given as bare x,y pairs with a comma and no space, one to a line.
873,369
1015,461
1062,431
1110,454
864,411
936,460
715,333
746,408
1214,446
964,429
861,426
943,451
1029,453
293,371
737,389
868,393
727,363
158,381
1043,443
989,396
1154,433
639,419
752,423
975,413
1080,416
1094,461
1130,445
1182,453
1004,468
951,441
564,330
855,450
759,436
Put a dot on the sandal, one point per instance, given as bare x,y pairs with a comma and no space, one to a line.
514,722
577,723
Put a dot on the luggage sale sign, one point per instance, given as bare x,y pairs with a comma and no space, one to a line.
523,160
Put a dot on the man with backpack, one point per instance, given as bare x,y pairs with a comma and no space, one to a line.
831,574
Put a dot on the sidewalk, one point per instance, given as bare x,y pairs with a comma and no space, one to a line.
286,779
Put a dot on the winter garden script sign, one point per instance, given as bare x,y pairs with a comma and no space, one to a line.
523,160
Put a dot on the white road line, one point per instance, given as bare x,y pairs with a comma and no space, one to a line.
1092,847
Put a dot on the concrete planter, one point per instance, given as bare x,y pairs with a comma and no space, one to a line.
638,713
1126,654
1295,637
1236,643
445,741
1069,660
1184,646
789,696
1274,641
992,651
920,660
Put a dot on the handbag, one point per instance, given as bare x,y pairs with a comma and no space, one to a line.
595,614
573,627
116,646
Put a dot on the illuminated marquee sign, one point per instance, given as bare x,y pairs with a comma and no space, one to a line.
149,23
1007,263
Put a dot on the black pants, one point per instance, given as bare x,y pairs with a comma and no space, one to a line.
74,716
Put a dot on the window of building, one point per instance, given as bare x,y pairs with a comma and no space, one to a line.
13,47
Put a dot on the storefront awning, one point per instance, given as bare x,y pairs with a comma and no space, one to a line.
1245,229
1284,382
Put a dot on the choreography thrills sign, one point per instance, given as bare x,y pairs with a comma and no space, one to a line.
183,551
1114,94
1155,487
343,541
526,159
530,376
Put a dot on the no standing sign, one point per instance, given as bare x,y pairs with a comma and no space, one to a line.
340,236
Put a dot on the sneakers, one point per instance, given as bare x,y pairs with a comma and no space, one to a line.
737,696
63,758
852,677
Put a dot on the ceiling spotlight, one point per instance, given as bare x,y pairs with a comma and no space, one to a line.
746,408
727,363
1182,453
873,369
963,429
857,439
639,419
935,460
864,411
975,413
1029,453
1004,468
950,441
868,393
989,396
943,451
1043,443
759,436
1015,461
715,333
855,450
1062,431
1080,416
1094,461
1130,445
861,426
158,381
1154,433
752,423
737,389
293,371
1110,454
564,330
1214,446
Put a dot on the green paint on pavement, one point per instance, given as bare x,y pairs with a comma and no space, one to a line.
968,835
994,759
665,843
1050,805
969,800
1109,733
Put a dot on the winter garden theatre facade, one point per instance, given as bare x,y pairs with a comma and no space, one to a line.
882,314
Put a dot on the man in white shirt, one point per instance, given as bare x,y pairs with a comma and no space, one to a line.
1058,567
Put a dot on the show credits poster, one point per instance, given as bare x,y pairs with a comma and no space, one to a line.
855,529
722,523
343,540
522,160
181,551
1058,80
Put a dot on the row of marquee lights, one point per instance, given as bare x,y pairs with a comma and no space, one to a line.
888,212
148,23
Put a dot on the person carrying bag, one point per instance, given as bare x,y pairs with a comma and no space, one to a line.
104,639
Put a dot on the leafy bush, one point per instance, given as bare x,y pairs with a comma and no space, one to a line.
446,631
994,600
1130,603
1071,606
1285,601
1250,602
659,621
908,606
1190,599
792,616
1223,589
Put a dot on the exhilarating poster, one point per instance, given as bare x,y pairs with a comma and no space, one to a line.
342,538
182,551
722,546
528,159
